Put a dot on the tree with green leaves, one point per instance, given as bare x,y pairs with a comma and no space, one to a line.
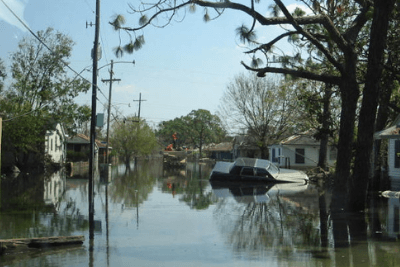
166,129
265,108
204,128
132,138
347,36
198,128
40,77
39,96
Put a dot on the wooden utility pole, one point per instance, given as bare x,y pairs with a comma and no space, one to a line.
140,101
93,121
111,80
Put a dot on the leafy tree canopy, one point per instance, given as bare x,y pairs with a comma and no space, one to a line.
132,138
39,76
197,128
39,95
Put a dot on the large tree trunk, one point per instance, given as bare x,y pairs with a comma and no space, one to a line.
323,150
264,151
350,93
362,164
324,136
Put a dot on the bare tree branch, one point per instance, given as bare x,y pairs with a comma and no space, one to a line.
296,73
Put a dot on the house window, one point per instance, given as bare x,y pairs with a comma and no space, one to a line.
332,154
273,155
396,151
276,152
299,157
279,155
51,145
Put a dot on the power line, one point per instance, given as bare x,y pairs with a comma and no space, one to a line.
45,45
37,37
24,114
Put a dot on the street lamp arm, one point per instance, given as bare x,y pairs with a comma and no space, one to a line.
133,62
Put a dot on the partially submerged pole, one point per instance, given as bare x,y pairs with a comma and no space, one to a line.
93,120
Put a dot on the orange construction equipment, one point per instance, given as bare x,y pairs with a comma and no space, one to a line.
169,147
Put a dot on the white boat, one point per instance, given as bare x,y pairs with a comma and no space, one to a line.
255,170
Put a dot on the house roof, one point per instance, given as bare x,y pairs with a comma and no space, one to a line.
226,146
101,143
245,142
305,138
392,132
79,139
83,139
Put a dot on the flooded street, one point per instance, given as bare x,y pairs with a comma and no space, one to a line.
154,217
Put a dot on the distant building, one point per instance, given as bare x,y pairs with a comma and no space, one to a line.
221,151
55,142
300,151
78,146
243,146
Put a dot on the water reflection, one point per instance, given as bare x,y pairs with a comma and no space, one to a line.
280,218
151,216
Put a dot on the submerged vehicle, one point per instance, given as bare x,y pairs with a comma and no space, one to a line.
255,170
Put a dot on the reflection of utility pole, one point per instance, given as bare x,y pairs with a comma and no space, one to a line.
107,229
111,80
137,208
140,101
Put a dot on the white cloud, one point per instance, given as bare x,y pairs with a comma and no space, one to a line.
18,7
292,7
129,88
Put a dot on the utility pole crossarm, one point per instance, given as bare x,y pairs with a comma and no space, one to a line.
110,80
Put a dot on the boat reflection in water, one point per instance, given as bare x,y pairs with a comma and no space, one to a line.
255,192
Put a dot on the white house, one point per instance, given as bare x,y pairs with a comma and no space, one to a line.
300,151
55,144
392,134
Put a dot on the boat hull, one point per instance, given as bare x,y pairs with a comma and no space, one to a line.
248,170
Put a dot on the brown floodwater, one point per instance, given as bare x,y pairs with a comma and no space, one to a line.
151,216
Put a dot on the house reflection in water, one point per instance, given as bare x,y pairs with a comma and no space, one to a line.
54,187
392,214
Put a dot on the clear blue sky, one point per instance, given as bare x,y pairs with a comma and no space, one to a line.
183,67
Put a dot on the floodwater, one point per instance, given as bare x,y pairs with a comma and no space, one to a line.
154,217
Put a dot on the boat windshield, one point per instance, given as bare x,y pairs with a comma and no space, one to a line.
223,167
273,169
258,163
